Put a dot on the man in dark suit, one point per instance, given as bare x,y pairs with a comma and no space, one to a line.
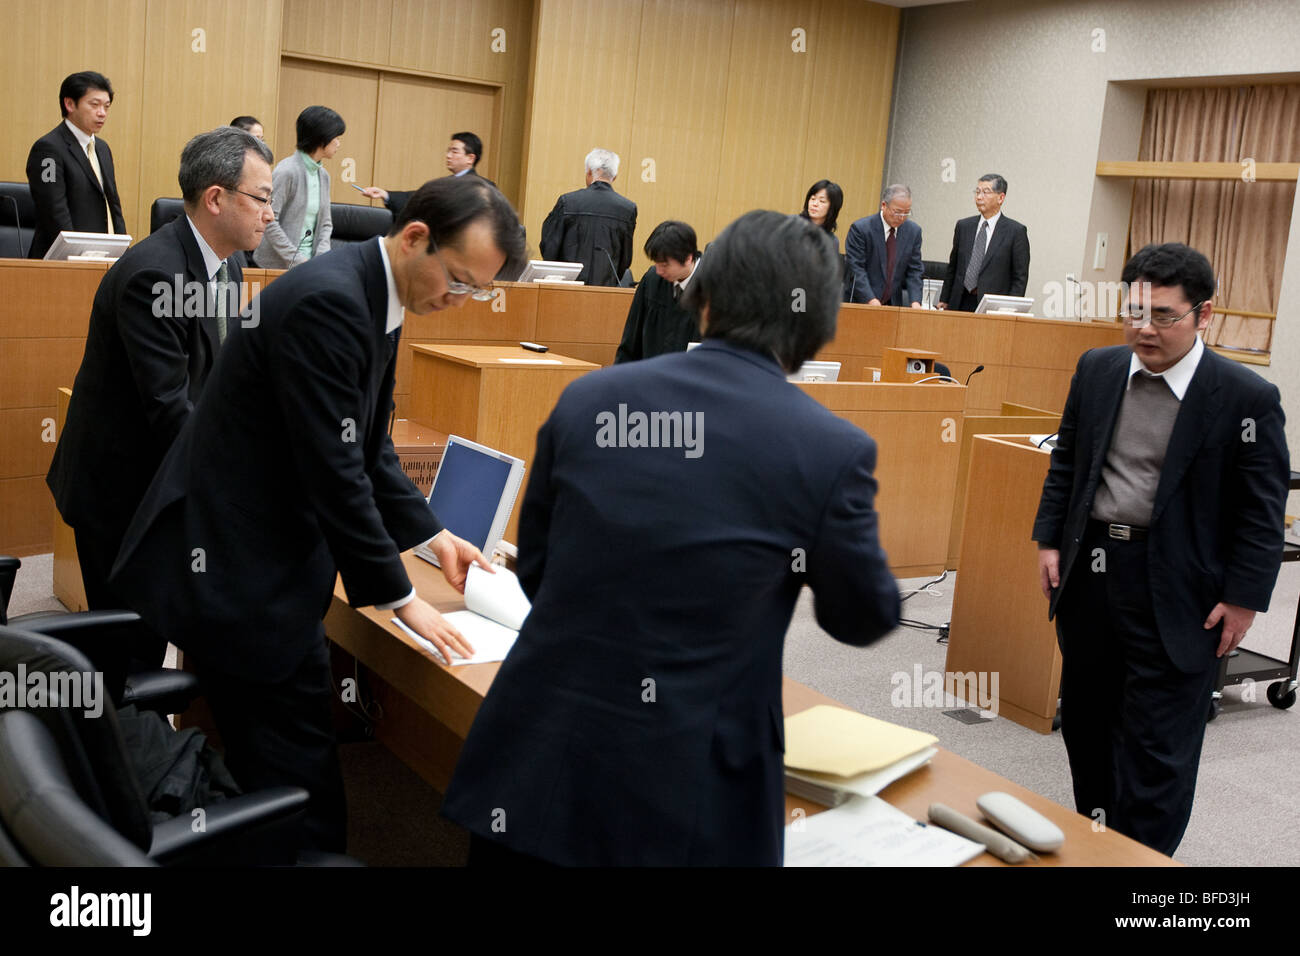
658,322
155,328
593,226
638,718
1160,535
463,155
883,254
285,477
70,169
990,252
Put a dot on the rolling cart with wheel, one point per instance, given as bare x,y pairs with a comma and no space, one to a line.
1242,665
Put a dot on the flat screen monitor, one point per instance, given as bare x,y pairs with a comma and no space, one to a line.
816,372
1004,303
473,493
540,270
87,246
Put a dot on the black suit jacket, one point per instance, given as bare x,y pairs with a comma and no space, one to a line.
283,476
64,188
638,718
147,358
399,198
1217,525
593,226
656,324
865,260
1004,271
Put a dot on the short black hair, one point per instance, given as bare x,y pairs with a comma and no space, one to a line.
999,184
473,145
317,126
450,203
671,239
245,123
77,85
772,284
834,196
1172,264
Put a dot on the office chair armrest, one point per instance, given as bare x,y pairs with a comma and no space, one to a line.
164,691
255,829
62,623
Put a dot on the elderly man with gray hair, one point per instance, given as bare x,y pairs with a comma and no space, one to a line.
882,254
593,226
158,320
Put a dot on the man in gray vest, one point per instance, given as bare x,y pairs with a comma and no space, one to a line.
1160,536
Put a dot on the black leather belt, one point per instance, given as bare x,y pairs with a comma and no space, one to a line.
1121,532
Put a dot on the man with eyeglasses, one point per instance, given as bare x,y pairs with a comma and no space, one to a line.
883,254
285,477
1160,535
159,318
990,252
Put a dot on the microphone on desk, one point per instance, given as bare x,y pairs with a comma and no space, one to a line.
978,368
18,227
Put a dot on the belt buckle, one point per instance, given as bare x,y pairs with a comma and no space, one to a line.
1120,532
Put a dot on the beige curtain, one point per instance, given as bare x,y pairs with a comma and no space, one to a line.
1241,226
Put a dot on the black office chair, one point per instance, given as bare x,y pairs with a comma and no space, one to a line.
17,220
163,211
69,797
105,637
353,222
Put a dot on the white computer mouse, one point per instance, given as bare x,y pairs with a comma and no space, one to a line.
1021,823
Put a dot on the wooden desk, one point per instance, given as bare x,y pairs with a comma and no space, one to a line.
428,709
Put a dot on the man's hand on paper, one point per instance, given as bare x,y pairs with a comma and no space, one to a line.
420,616
455,555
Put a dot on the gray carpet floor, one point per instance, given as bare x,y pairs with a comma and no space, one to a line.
1246,800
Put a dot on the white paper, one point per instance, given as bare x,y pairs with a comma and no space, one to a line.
495,610
867,831
871,783
528,361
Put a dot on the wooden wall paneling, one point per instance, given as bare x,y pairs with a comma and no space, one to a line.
769,96
23,449
357,30
681,78
31,369
1039,387
582,94
351,92
44,42
1036,341
46,300
415,117
847,126
593,316
189,92
26,520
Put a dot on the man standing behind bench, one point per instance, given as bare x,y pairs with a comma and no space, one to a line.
70,169
155,328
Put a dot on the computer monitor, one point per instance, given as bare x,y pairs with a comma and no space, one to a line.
473,493
540,270
1004,303
816,372
87,247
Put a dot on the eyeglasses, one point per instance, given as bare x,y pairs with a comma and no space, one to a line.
460,288
901,215
982,191
1159,321
264,200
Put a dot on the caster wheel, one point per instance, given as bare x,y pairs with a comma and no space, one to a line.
1215,707
1277,698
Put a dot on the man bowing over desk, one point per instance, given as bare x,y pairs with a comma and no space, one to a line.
285,476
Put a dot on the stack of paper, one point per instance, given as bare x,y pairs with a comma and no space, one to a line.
495,611
831,753
866,831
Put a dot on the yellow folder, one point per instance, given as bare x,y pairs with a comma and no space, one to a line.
833,740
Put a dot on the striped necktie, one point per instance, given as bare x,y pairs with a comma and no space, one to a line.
99,175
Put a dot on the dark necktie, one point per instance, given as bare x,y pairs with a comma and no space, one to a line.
393,338
223,300
677,292
891,257
977,256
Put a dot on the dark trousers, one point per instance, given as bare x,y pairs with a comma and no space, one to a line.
966,301
1132,722
283,734
96,552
